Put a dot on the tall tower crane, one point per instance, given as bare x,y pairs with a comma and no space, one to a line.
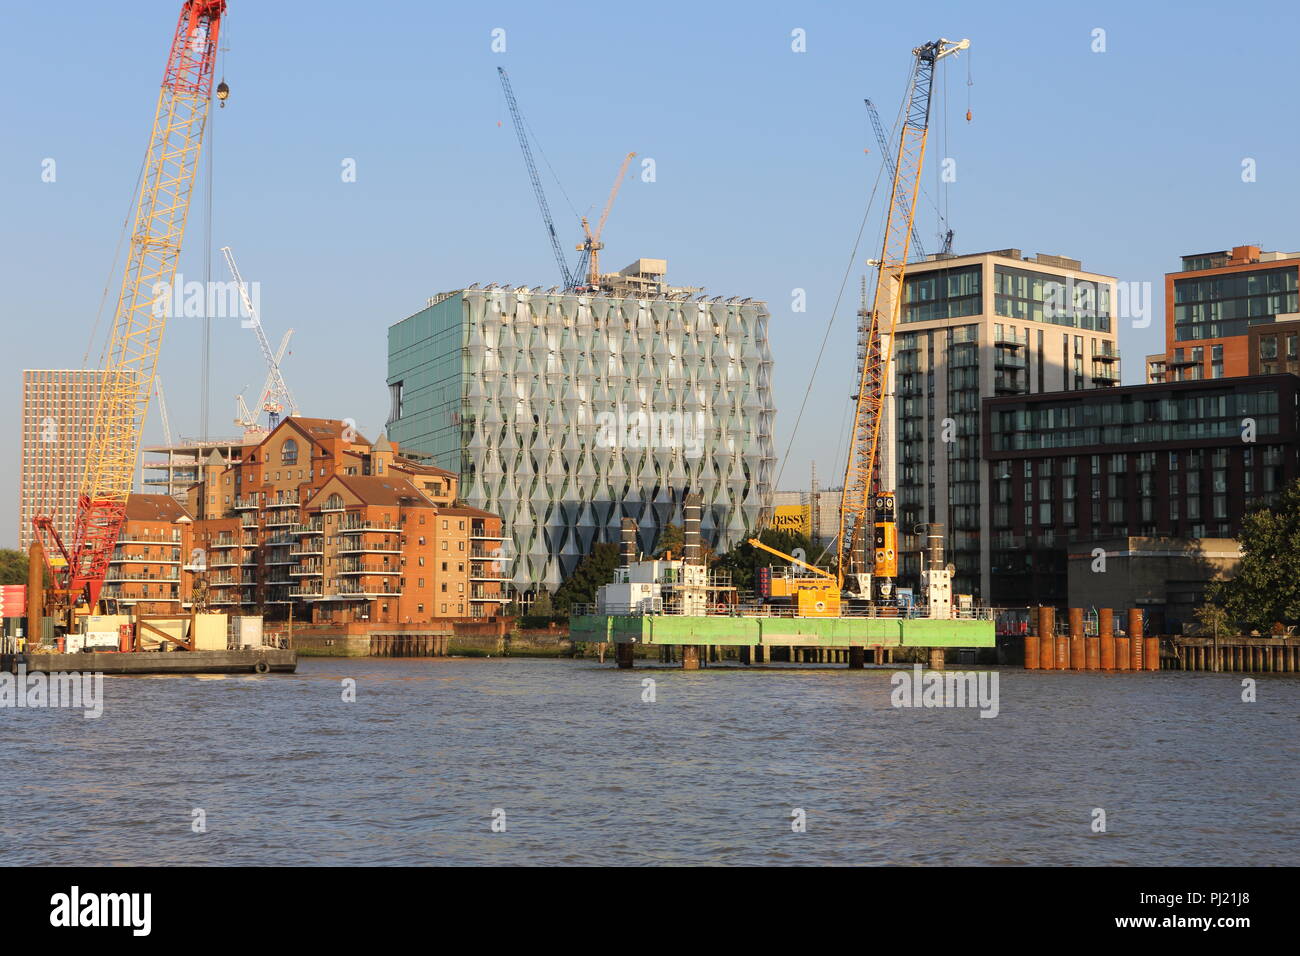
891,167
131,358
247,418
571,278
861,491
275,396
591,245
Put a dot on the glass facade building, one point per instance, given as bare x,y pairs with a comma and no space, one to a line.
565,413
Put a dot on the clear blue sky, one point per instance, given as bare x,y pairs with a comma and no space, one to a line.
1125,159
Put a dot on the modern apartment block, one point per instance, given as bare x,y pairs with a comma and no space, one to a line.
1214,303
58,407
1180,460
566,413
144,573
318,519
973,327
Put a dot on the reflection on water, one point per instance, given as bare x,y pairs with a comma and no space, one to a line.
287,773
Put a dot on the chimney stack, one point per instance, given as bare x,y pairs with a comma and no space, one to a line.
934,536
627,544
692,505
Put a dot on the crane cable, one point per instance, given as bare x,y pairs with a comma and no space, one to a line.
112,271
830,323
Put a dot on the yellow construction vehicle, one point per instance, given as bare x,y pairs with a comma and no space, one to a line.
815,595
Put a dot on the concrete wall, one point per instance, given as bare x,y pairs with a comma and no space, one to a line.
1166,577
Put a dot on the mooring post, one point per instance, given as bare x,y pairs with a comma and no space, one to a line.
623,654
1106,633
857,658
1077,658
1136,643
936,658
690,657
1047,638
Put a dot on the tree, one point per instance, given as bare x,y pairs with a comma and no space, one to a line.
595,568
542,606
671,538
1266,587
744,560
1213,620
13,566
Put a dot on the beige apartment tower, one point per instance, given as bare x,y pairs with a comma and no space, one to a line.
58,406
973,327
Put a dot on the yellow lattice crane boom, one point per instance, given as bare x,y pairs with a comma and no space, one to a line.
860,472
140,318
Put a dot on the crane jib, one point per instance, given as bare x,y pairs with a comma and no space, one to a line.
135,338
861,477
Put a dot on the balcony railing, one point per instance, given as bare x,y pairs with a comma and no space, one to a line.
131,576
373,547
364,567
245,504
352,524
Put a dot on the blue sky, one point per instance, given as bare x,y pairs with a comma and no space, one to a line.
1124,159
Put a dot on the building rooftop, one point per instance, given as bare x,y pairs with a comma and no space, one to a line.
1049,260
378,490
141,507
1227,258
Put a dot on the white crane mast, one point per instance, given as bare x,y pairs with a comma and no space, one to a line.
275,396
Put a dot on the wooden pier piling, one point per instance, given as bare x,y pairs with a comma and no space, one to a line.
1106,637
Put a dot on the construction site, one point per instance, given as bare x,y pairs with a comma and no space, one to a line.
804,611
304,520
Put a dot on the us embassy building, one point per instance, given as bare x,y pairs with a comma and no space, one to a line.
566,412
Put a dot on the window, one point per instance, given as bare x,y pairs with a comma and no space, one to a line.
289,452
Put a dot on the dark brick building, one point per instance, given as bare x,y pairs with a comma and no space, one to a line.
1178,459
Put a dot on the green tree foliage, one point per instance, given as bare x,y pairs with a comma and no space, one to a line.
595,569
1266,588
744,560
13,566
671,538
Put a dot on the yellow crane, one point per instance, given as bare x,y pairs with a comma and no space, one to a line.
591,245
816,596
861,490
140,318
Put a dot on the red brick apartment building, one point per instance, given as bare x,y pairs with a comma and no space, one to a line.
316,519
1214,306
144,572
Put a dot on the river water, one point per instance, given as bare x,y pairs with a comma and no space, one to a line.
585,771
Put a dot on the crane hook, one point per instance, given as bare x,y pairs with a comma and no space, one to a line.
223,91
